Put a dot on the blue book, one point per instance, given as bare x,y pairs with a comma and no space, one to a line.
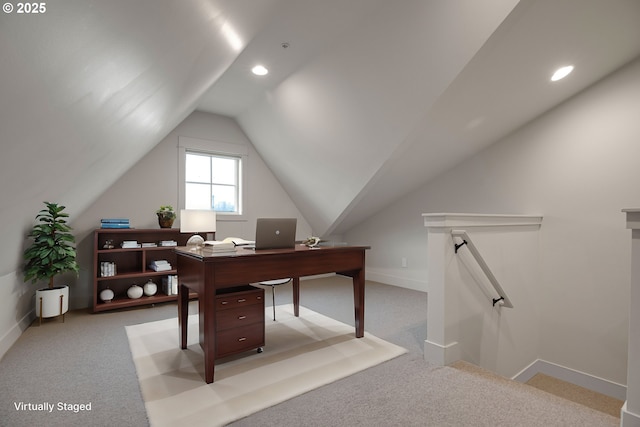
115,225
115,220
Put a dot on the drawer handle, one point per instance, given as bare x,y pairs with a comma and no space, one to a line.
242,339
241,300
242,317
224,302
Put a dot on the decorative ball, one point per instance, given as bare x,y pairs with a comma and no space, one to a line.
150,288
134,292
106,295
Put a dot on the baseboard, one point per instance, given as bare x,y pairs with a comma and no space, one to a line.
628,419
14,333
572,376
394,280
441,355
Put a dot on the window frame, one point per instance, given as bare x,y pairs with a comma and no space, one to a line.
214,148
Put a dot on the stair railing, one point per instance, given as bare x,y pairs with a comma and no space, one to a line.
502,300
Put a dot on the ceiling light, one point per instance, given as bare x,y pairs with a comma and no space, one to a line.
259,70
561,73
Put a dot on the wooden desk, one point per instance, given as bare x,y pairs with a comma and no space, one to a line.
203,272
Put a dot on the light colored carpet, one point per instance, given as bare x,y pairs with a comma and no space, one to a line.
575,393
572,412
301,354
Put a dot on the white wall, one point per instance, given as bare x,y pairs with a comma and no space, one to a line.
462,322
153,181
578,167
396,234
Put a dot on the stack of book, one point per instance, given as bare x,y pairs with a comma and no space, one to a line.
168,243
149,245
170,285
219,246
115,223
160,265
128,244
107,269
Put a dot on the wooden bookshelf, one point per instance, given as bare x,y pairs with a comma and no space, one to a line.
132,265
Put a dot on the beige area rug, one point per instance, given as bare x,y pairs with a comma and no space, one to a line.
300,355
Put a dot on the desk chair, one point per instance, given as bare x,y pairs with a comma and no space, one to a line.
273,284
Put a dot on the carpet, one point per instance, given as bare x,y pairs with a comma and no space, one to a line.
301,354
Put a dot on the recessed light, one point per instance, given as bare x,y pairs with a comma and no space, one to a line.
259,70
561,73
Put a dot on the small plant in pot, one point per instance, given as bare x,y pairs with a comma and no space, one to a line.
52,253
166,216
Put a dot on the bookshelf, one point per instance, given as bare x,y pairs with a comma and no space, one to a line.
132,265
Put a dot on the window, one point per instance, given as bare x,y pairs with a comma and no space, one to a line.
212,182
211,176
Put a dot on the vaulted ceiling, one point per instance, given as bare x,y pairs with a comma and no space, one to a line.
370,100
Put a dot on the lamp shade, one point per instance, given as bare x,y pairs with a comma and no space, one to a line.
197,221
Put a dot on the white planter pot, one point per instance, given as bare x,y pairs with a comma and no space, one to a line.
54,301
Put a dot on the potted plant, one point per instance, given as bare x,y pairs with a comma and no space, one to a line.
166,216
52,253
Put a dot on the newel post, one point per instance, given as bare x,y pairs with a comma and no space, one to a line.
631,409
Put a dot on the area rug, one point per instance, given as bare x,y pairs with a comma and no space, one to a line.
301,354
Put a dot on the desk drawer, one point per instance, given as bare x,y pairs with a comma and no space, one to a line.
248,296
241,339
240,316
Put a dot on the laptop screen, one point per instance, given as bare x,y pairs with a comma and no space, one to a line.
275,233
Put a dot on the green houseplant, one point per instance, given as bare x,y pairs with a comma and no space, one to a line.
51,253
166,216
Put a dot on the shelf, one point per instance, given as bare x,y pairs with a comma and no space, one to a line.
128,302
136,275
123,302
132,264
153,248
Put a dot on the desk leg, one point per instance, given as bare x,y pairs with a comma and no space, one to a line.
208,333
183,314
358,302
296,296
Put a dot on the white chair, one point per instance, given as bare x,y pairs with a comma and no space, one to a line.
273,284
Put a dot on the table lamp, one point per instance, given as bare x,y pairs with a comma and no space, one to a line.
197,221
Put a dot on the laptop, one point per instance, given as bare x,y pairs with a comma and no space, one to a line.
275,233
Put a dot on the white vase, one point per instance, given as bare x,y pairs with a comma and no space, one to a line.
52,302
134,292
106,295
150,288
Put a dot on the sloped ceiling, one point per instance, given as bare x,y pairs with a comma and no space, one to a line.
89,87
370,99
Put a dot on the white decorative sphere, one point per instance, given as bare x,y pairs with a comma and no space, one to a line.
106,295
134,292
150,288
